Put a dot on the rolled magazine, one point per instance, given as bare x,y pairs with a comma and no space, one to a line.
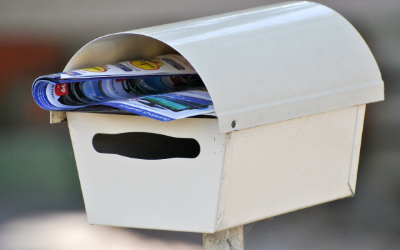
164,88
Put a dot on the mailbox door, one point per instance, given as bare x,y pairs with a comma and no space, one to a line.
138,189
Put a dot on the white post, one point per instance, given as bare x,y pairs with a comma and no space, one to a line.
230,239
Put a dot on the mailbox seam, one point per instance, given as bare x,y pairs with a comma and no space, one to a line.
355,154
225,181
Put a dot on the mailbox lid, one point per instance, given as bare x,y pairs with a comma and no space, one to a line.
260,65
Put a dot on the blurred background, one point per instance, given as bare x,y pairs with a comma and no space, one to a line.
41,205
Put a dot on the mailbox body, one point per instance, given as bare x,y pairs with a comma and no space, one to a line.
295,78
237,178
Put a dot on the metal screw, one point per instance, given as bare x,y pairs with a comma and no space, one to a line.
233,124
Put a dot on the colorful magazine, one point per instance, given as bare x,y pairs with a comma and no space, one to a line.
164,88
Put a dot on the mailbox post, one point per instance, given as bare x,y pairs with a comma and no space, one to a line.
228,239
289,83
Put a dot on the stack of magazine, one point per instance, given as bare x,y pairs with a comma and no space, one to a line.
164,88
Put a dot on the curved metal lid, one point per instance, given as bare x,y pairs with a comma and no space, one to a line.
260,65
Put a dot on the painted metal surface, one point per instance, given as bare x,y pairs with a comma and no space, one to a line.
355,156
290,165
176,194
261,65
238,178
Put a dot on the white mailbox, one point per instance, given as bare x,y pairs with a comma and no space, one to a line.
289,83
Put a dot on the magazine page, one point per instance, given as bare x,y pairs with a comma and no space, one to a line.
169,106
161,65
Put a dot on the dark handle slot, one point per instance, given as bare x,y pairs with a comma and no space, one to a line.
146,146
